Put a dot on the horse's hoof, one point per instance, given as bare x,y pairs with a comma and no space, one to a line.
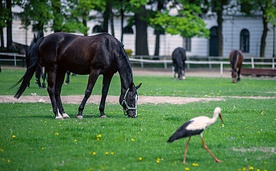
59,117
103,116
79,117
65,116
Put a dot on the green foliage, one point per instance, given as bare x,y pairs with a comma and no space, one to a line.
186,22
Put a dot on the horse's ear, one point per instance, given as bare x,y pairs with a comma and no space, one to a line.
138,86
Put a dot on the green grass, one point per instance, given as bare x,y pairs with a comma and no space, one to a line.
30,139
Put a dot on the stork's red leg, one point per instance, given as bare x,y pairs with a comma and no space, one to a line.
186,150
209,151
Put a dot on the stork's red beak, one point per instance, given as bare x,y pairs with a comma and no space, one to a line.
221,118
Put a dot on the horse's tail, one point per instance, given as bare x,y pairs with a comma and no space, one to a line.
234,60
34,59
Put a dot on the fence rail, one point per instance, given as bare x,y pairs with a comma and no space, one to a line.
12,57
221,61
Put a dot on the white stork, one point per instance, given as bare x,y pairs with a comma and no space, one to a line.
196,126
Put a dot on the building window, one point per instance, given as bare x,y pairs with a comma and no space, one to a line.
244,40
127,30
187,44
97,29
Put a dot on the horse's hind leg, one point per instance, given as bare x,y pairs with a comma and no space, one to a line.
59,82
52,91
91,82
67,77
106,83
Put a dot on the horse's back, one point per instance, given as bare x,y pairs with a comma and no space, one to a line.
79,54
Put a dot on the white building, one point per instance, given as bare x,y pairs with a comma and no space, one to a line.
239,32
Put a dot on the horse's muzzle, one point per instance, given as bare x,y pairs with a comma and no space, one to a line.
132,113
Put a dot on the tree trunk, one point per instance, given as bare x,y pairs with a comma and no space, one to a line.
263,39
157,43
1,29
9,24
141,37
122,23
220,36
106,15
57,23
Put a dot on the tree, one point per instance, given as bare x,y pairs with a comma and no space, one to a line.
9,23
4,16
268,12
186,22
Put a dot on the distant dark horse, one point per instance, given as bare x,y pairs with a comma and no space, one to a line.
93,55
179,58
236,59
39,72
22,49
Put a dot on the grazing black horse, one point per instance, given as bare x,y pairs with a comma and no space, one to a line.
93,55
236,59
22,49
179,58
39,72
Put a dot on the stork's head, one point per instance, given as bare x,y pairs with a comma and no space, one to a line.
217,111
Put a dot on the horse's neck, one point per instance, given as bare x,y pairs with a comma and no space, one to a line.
126,76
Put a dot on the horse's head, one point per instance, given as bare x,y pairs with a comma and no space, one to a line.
181,74
128,100
234,76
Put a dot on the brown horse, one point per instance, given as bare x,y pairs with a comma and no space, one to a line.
93,55
236,59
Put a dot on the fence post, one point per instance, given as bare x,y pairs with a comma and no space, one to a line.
14,58
221,69
252,62
273,64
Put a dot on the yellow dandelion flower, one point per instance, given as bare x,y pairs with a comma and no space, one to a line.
222,125
258,170
112,153
94,153
187,169
75,140
57,134
195,164
132,139
158,160
140,158
9,160
251,168
43,148
107,153
13,136
244,168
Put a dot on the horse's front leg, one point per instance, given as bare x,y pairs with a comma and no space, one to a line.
239,73
106,83
91,82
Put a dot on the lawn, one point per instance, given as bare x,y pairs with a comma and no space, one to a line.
30,139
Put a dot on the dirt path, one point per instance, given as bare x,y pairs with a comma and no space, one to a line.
95,99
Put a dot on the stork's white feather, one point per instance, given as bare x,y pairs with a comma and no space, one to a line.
202,122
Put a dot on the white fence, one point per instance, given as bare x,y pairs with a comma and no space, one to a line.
14,57
221,61
165,60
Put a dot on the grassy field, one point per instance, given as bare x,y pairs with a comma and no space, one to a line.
30,139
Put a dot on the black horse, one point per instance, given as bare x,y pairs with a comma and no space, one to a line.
93,55
179,58
39,72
